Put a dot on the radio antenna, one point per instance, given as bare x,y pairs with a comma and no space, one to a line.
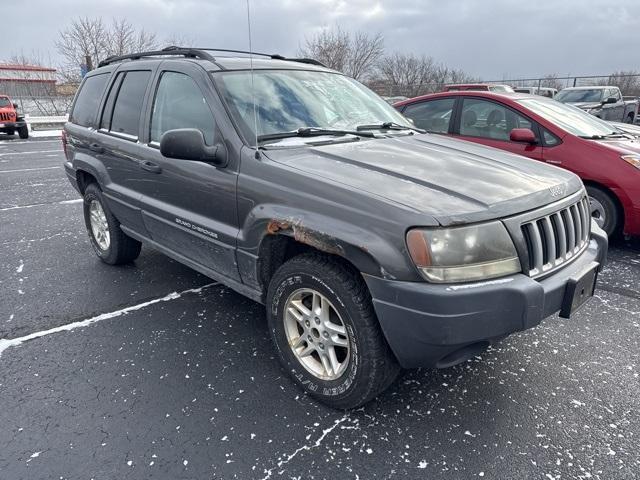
253,90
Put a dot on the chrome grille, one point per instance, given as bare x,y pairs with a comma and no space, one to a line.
558,237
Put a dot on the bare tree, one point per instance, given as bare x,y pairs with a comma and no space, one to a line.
93,39
353,54
627,81
552,81
35,88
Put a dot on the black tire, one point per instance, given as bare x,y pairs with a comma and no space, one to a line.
611,222
23,132
10,132
629,118
121,248
372,366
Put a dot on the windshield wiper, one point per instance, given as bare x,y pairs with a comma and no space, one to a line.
389,126
603,137
312,132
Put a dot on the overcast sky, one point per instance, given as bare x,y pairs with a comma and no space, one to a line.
493,39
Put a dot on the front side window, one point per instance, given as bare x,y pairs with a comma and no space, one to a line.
126,110
485,119
86,105
433,116
286,100
179,103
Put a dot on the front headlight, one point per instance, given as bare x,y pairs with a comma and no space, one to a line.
633,160
463,254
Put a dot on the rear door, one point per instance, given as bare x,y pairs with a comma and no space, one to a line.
490,123
189,207
118,145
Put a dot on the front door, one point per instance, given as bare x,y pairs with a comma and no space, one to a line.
189,207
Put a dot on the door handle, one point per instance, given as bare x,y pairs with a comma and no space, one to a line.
96,147
150,167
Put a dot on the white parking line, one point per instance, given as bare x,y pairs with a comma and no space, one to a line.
29,169
15,342
6,143
63,202
32,151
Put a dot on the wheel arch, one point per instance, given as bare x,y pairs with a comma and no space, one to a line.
616,200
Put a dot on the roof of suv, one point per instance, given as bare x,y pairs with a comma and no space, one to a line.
228,60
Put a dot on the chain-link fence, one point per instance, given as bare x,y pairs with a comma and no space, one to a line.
629,84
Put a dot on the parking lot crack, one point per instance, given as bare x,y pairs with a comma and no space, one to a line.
285,459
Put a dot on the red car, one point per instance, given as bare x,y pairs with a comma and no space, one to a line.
606,158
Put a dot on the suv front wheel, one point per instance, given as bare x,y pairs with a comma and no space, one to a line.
326,332
108,240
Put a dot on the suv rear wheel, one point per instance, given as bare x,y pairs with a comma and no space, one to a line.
326,332
108,240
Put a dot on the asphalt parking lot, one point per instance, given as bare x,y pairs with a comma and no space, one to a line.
173,377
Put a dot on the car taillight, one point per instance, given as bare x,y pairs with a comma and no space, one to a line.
64,143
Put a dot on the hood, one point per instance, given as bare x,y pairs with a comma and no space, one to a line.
623,146
627,128
453,181
585,105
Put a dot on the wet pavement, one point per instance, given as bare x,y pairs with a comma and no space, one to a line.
154,371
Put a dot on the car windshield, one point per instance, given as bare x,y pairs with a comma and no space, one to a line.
578,96
569,118
287,100
4,102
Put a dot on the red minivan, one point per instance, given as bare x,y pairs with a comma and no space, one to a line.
607,159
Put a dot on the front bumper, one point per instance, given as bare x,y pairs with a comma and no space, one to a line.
426,323
11,125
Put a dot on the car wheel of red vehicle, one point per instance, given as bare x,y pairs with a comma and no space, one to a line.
326,332
603,210
10,132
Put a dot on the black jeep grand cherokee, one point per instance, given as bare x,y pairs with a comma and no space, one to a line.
372,245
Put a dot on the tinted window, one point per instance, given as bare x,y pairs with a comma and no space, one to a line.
88,100
4,102
126,111
105,122
481,118
433,116
179,103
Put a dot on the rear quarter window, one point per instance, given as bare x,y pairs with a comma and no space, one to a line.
85,108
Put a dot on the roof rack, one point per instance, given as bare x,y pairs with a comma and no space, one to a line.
202,54
185,52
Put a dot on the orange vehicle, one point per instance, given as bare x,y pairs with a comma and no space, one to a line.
10,121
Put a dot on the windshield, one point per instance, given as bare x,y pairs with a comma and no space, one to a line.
4,102
287,100
579,96
569,118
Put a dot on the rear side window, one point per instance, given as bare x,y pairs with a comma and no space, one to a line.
433,116
128,105
179,103
86,106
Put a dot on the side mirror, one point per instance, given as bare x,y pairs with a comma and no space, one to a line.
611,100
188,144
522,135
15,106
